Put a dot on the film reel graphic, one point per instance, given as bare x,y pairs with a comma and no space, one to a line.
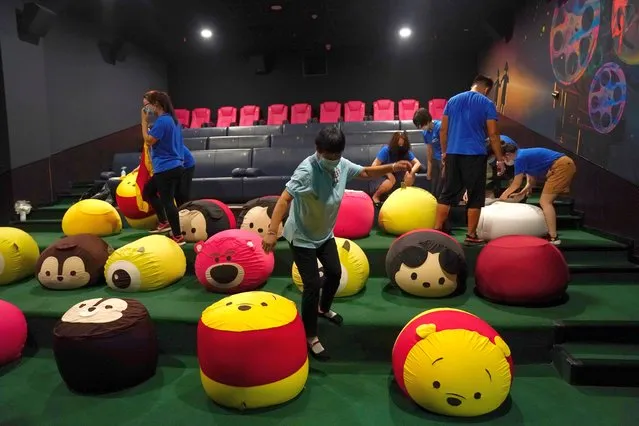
607,97
573,38
625,30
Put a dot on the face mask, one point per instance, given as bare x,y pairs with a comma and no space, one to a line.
509,162
328,165
149,110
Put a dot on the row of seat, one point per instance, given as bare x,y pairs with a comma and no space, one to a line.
329,112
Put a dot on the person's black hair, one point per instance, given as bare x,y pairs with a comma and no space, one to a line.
330,140
508,148
163,100
482,80
421,118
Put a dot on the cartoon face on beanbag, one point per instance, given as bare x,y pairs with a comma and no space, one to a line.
128,198
90,216
427,263
201,219
256,215
18,255
233,261
73,262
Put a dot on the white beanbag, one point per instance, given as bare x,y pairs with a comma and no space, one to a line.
500,219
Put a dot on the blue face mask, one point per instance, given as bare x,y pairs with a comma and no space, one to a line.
328,165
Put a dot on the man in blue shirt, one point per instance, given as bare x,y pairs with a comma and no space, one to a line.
430,129
468,119
313,196
493,178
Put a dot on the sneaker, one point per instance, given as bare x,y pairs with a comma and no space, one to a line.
473,240
553,240
179,240
163,227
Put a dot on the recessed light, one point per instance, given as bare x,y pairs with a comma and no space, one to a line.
206,33
276,7
405,32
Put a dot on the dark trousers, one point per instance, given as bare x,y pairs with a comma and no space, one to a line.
436,178
166,184
184,192
306,261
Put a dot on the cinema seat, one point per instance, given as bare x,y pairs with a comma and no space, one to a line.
239,142
293,141
354,111
272,168
249,115
129,160
277,114
407,108
310,129
383,137
359,154
301,114
203,132
213,174
226,116
330,112
369,126
201,117
384,110
196,144
436,108
255,130
183,116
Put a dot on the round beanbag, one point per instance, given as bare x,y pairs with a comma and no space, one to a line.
233,261
73,262
427,263
500,219
149,263
453,363
129,198
407,209
148,223
355,269
256,215
201,219
356,215
252,350
90,216
18,255
521,270
105,345
13,329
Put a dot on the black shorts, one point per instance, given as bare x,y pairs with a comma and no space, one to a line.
464,173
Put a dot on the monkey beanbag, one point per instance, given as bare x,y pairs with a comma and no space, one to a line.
356,215
201,219
256,215
18,255
105,345
90,216
407,209
73,262
13,332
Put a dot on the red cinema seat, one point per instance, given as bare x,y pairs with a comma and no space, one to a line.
354,111
436,108
277,114
200,117
226,116
300,113
407,108
249,115
384,110
330,112
183,116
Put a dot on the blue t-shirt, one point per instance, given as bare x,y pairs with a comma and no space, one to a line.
189,161
385,156
467,115
317,195
535,161
167,152
506,139
432,137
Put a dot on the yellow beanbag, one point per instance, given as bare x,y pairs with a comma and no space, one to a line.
408,209
19,254
94,217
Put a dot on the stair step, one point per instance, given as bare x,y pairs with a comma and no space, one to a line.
613,332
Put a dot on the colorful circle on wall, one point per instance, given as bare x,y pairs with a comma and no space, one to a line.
573,38
607,97
624,27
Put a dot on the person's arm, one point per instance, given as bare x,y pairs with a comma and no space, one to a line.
281,208
372,172
495,140
443,136
429,159
530,181
377,162
416,166
514,186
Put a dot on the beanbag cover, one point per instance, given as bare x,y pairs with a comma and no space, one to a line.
18,255
149,263
453,363
537,271
129,199
90,216
148,223
252,350
73,262
105,345
201,219
13,332
232,261
407,209
355,269
256,215
501,219
427,263
356,215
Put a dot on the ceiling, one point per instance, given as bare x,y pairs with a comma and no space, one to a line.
171,27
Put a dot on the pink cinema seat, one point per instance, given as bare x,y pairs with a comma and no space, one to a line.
277,114
384,110
249,115
200,117
407,108
300,113
354,111
330,112
436,108
183,116
226,116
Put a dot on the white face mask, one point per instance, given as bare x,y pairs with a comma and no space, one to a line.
509,162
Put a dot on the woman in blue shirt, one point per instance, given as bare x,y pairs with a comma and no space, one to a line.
184,193
313,196
397,149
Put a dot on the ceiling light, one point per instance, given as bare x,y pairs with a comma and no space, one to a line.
206,33
276,7
405,32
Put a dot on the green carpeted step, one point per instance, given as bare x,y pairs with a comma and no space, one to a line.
613,332
52,212
598,364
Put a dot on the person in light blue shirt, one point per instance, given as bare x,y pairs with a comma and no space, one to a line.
312,197
430,129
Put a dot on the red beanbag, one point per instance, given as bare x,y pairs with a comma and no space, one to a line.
521,270
356,216
13,332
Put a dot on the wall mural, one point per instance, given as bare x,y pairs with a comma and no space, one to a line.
571,73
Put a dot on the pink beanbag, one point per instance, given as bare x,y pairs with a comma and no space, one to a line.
13,332
356,216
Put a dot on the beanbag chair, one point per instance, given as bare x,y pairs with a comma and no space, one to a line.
148,223
73,262
256,215
13,329
355,269
18,255
501,219
427,263
252,350
453,363
129,199
356,215
105,345
90,216
150,263
537,272
407,209
201,219
233,261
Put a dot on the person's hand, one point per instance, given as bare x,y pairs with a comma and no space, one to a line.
402,166
269,241
465,197
144,116
501,168
443,159
409,179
